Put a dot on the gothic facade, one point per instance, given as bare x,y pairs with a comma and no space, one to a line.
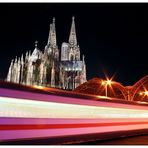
51,67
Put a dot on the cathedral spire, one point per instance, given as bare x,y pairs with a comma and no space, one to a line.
72,36
50,31
52,34
53,24
54,40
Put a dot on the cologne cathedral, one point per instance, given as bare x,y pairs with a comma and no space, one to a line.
51,67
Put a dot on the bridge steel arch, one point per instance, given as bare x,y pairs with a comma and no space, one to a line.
137,86
122,89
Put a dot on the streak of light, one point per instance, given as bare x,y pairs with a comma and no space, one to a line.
13,107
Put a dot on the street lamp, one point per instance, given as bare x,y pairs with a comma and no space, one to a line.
141,93
106,83
144,93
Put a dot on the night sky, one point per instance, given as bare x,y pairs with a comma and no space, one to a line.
113,37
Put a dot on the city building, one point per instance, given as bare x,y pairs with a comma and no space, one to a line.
51,67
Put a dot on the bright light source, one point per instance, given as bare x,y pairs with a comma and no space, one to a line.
19,107
140,93
38,87
146,93
102,97
108,82
143,102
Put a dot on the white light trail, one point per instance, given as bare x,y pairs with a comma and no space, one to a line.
13,107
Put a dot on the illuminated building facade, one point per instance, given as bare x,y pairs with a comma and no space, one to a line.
51,67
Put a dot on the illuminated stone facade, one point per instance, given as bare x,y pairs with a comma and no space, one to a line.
48,67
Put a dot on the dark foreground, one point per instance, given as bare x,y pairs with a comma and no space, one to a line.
137,137
134,140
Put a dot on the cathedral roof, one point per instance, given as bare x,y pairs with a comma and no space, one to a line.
35,55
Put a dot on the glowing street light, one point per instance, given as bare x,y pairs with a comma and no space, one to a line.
141,93
103,83
146,93
106,83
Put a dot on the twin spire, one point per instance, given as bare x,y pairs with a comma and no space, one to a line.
72,36
52,34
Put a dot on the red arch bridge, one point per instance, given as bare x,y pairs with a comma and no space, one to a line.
96,86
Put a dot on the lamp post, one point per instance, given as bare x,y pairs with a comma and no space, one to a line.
106,83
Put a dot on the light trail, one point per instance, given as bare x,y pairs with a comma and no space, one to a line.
12,107
64,131
26,115
68,100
